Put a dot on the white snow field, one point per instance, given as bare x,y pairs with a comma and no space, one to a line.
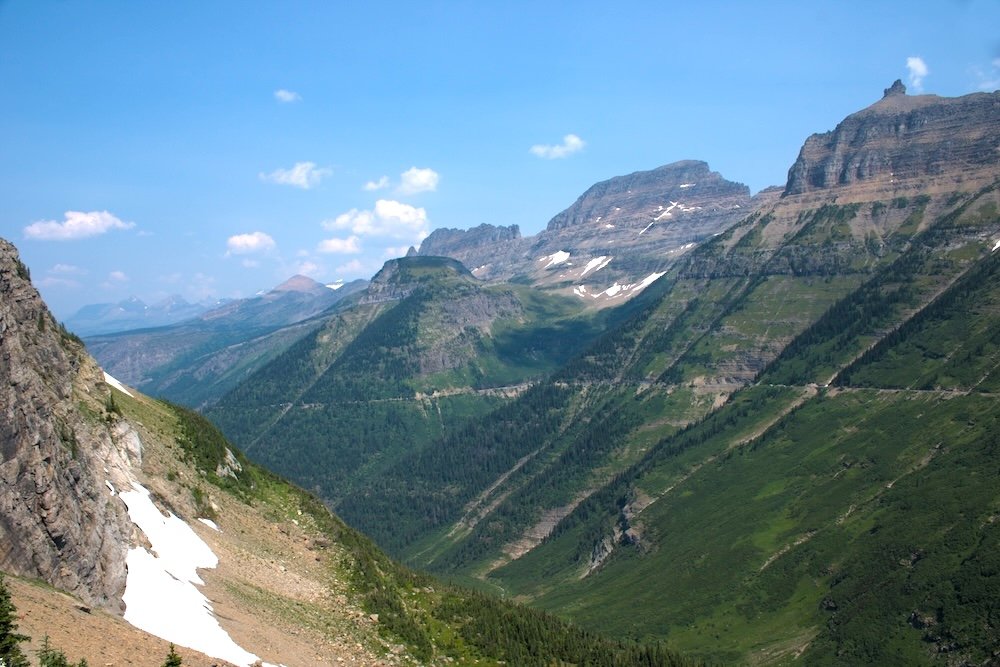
160,594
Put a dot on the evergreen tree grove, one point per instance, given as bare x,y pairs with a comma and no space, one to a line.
10,651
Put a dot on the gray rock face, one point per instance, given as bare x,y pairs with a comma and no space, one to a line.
904,138
58,519
634,199
490,252
629,226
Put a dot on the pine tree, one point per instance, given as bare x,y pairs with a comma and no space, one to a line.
173,660
10,652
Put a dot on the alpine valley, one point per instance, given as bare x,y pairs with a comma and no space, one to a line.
753,429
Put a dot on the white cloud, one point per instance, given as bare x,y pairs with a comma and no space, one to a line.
988,80
118,277
918,70
353,267
380,184
303,175
241,244
396,251
571,144
308,268
68,269
389,218
415,180
348,246
78,225
287,96
53,281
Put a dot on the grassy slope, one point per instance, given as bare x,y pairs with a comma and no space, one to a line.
857,523
435,623
344,404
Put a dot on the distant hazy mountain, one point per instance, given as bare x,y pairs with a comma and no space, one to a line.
195,361
133,313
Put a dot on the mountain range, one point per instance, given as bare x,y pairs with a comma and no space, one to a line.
756,429
129,525
698,464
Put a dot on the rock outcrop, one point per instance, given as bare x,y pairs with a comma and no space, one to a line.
62,450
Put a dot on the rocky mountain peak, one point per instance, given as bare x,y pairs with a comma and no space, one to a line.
634,198
904,143
58,461
299,283
897,88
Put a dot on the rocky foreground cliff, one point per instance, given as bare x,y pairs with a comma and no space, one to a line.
56,520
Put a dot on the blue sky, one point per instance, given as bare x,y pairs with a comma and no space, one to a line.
213,149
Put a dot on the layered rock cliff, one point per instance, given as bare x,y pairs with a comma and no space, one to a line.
903,138
61,444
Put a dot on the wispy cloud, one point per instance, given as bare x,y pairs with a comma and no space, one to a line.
380,184
571,144
349,246
389,218
988,80
56,281
242,244
393,252
77,225
918,70
303,175
287,96
118,277
415,180
308,268
353,267
68,269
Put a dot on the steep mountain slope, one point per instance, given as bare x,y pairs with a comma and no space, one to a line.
547,497
784,462
426,347
853,524
97,479
196,361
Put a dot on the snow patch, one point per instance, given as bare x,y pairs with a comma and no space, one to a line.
995,246
595,265
555,258
647,281
687,185
160,594
117,385
613,290
609,226
335,286
211,524
111,487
